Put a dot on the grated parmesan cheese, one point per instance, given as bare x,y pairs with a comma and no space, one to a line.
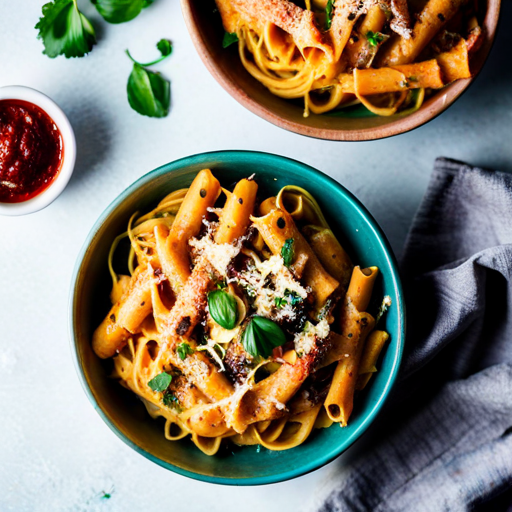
305,340
218,255
282,284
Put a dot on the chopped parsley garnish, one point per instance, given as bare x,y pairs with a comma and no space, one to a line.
184,350
374,38
280,302
293,297
329,11
229,39
160,382
64,30
287,252
170,400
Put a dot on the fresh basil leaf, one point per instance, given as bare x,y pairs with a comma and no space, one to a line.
64,30
223,308
119,11
287,252
228,39
160,382
184,350
329,11
148,93
261,336
147,3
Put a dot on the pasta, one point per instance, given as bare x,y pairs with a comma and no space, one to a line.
383,54
246,322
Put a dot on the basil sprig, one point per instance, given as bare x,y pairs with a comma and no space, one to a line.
261,336
149,93
160,382
287,252
223,308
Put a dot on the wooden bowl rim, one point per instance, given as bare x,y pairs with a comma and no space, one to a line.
434,106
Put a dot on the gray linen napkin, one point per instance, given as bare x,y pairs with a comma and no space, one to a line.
445,440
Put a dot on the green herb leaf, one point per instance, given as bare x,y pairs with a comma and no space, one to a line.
184,350
229,39
280,302
221,285
148,93
329,11
287,252
164,47
119,11
294,297
223,308
64,30
160,382
169,399
261,336
374,38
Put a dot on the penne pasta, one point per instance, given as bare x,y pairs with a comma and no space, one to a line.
276,228
229,320
173,253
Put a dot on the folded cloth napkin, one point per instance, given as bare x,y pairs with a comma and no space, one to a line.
445,438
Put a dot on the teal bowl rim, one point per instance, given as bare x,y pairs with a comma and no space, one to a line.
377,231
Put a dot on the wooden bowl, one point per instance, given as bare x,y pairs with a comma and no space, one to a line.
206,30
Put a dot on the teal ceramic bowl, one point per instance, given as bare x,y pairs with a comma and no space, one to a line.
125,414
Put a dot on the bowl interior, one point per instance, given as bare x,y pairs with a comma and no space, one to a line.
126,415
205,28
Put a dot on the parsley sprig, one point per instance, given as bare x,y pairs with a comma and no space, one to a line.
64,30
183,350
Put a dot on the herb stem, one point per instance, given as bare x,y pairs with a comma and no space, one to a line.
152,63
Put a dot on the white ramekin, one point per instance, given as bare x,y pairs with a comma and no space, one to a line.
42,200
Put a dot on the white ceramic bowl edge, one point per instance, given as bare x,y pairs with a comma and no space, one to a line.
42,200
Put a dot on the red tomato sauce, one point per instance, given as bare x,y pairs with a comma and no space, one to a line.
31,151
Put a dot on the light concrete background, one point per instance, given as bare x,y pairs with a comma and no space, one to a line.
56,454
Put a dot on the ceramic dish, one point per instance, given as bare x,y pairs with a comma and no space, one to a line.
206,31
125,414
42,200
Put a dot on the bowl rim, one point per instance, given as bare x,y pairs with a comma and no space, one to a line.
431,109
45,103
375,407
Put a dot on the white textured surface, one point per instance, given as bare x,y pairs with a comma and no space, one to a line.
56,454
